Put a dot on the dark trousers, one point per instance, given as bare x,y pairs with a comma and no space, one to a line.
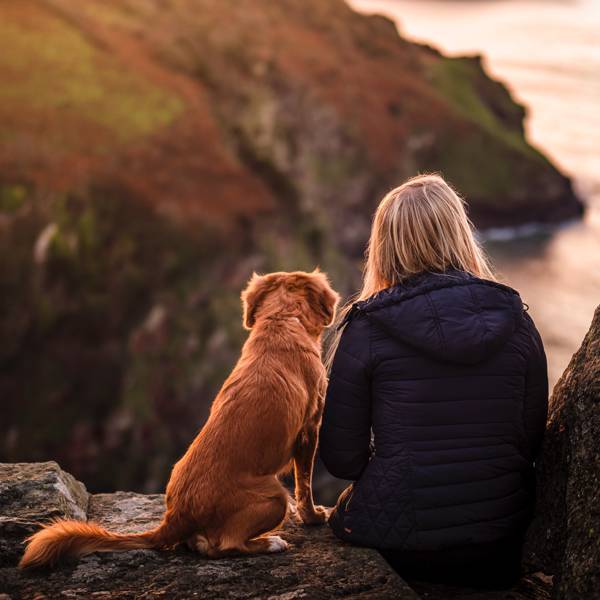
495,565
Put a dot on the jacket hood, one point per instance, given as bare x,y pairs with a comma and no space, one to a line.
451,316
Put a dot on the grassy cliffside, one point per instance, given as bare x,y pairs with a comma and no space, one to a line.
152,154
215,109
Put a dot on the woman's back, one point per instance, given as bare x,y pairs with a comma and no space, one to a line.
449,373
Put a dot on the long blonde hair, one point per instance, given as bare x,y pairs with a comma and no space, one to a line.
420,226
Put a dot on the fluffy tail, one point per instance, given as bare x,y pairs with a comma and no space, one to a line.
71,539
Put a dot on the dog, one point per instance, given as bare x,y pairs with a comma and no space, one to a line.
224,496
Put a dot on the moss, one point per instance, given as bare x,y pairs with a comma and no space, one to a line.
334,170
12,197
55,68
479,100
485,153
477,166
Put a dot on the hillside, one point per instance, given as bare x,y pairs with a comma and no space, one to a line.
153,153
217,109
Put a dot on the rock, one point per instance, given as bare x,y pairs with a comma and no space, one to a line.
534,586
126,512
564,538
33,493
317,566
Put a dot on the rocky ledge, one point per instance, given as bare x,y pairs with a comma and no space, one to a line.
317,566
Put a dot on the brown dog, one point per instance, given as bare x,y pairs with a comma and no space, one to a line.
224,495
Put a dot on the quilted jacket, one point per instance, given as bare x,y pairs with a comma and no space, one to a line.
436,407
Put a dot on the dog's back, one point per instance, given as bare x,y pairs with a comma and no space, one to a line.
255,418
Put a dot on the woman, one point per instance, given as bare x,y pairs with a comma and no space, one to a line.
437,398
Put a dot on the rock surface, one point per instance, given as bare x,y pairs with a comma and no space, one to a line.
564,538
33,493
316,567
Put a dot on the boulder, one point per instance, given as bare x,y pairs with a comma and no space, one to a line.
317,566
33,493
564,538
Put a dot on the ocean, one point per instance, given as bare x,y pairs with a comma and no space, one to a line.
548,54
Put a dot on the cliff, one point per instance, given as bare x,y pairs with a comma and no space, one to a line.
212,111
564,538
153,154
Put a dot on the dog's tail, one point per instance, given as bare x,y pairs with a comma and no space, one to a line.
71,539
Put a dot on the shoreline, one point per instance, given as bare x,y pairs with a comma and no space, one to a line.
587,191
524,231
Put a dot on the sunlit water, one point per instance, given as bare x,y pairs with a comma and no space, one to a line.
548,53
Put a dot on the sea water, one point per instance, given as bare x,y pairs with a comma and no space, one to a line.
548,54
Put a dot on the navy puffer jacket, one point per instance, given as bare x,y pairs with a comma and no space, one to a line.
436,407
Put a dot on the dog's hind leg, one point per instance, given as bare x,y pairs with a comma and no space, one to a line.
267,544
245,531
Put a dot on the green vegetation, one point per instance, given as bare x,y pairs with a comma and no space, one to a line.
490,160
12,197
53,69
481,101
79,334
477,166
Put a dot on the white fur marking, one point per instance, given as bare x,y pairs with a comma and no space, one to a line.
277,544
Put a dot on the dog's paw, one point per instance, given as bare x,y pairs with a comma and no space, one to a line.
276,544
318,516
292,512
198,543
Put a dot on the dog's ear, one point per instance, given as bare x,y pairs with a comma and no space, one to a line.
257,288
325,299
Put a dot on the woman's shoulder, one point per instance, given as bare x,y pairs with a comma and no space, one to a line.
355,338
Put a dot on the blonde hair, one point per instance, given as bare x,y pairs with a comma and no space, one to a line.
420,226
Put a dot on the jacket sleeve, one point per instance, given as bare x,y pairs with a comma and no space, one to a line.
346,429
536,393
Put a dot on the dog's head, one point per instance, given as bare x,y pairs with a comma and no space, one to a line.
308,296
